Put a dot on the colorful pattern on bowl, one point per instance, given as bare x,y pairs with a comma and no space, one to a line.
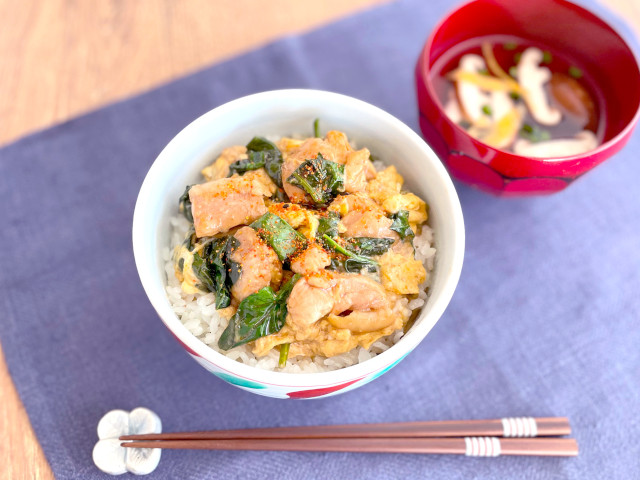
283,391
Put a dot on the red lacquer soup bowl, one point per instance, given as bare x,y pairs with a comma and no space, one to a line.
608,63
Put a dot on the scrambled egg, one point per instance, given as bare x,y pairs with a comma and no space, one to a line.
407,201
287,145
183,263
321,338
401,274
220,168
388,182
300,218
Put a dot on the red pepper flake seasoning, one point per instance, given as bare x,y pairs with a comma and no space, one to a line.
323,274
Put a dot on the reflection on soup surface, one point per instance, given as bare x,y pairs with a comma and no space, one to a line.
519,97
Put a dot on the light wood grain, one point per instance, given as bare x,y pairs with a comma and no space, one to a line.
20,452
59,58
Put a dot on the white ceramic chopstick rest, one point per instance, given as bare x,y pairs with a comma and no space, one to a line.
113,459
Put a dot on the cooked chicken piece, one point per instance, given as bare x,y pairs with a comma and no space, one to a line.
356,162
308,150
315,325
337,293
220,168
312,146
324,279
386,187
335,148
388,182
362,217
358,292
403,248
340,143
363,322
260,264
289,165
261,178
312,259
308,304
368,224
220,205
357,170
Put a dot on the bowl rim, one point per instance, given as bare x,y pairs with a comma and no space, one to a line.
409,341
588,15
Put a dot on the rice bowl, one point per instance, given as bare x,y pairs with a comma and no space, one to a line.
272,113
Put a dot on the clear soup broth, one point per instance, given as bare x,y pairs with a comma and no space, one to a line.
523,98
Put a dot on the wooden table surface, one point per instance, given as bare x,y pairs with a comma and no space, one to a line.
61,58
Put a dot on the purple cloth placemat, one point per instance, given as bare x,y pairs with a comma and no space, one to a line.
544,321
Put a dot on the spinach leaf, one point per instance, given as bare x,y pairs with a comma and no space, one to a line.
184,204
320,178
201,271
316,128
188,242
242,166
234,269
280,236
265,153
336,264
190,238
280,196
354,262
328,225
217,263
401,224
369,246
260,314
210,267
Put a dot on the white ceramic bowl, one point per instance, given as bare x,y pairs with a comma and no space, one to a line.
285,112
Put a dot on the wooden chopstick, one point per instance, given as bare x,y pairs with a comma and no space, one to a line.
506,427
470,446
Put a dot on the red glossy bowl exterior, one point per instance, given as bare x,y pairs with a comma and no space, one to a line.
570,29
